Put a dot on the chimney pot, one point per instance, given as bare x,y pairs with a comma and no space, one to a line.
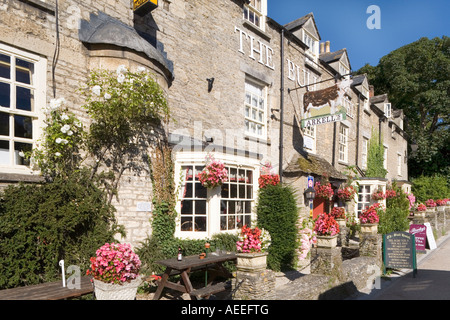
327,46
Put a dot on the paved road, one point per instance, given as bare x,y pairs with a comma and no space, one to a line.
432,281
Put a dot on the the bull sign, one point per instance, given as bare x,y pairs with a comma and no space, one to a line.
326,103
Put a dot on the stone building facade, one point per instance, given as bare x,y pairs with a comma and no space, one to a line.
235,81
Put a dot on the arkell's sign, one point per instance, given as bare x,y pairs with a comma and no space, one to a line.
325,105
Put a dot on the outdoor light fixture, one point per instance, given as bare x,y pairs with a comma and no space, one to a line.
310,193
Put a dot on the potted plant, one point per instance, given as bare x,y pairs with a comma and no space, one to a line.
369,218
431,205
115,272
378,195
338,213
252,248
346,193
214,174
327,229
324,191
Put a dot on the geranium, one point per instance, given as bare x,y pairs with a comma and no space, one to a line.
347,193
326,225
390,193
378,195
371,214
338,213
421,207
430,203
323,191
115,263
441,202
253,240
268,179
214,174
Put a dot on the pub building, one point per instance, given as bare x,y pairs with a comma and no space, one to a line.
241,88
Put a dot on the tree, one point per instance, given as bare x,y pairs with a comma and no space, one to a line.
417,80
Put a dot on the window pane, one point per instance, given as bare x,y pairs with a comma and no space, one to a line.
188,190
231,222
4,152
186,206
200,223
231,207
240,221
200,207
224,191
24,99
242,191
186,224
5,93
4,124
233,191
200,191
23,127
223,223
19,150
24,70
5,64
248,207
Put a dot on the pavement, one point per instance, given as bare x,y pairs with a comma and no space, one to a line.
432,281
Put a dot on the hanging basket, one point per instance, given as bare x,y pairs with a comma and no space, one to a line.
113,291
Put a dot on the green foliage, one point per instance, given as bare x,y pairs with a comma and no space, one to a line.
375,157
40,224
430,187
417,77
395,217
277,213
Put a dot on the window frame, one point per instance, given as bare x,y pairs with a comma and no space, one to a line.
251,8
248,118
310,132
343,143
38,86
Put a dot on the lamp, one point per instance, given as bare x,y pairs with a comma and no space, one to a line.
310,193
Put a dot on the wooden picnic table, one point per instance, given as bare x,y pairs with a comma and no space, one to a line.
212,263
47,291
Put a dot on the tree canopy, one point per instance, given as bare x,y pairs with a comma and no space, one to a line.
417,79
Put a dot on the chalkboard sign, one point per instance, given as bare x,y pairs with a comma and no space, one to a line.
399,251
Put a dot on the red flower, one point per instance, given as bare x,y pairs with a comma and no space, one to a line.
266,179
338,213
323,191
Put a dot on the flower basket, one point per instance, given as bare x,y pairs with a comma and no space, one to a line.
326,225
338,213
115,291
327,241
378,195
115,270
268,179
346,194
253,240
371,228
324,191
214,174
251,261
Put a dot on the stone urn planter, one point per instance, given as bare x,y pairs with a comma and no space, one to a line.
341,223
113,291
371,228
251,261
327,241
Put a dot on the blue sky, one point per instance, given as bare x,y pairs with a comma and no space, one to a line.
344,24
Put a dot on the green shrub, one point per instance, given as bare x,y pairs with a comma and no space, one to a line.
41,224
277,213
395,218
430,187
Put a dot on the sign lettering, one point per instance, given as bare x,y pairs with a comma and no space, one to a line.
400,251
420,233
137,4
263,51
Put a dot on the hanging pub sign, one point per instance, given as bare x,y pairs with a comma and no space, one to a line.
144,5
325,105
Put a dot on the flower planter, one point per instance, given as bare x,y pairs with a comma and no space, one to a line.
326,241
251,261
369,228
440,208
341,223
113,291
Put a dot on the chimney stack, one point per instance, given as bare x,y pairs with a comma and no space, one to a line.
327,46
322,47
371,91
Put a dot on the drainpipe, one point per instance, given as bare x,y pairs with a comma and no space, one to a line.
280,160
357,131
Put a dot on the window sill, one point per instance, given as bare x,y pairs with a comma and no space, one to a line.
256,139
40,5
257,30
20,177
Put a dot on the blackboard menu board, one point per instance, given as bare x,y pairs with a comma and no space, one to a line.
399,251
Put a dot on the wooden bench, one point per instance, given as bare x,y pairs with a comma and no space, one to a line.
47,291
209,290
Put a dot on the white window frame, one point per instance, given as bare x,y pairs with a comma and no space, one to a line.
38,86
255,116
343,143
349,106
310,133
313,45
385,156
399,164
256,8
364,197
364,152
214,196
388,110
